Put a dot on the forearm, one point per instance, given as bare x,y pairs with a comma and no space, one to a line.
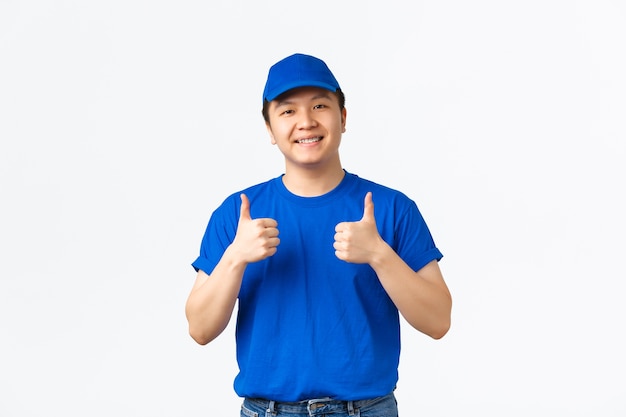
421,297
212,300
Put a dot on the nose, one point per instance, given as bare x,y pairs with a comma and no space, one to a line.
306,120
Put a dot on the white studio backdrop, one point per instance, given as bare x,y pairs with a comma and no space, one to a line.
123,124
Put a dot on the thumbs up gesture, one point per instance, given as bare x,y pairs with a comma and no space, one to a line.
256,239
357,242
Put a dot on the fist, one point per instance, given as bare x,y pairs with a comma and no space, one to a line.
256,239
357,242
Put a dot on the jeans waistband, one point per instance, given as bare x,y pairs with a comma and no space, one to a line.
316,406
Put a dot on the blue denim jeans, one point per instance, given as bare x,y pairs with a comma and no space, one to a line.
323,407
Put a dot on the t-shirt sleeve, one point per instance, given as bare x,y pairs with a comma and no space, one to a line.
218,235
415,244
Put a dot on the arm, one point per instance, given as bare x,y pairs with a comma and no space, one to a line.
422,297
212,298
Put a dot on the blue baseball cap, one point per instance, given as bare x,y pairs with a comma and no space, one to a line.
298,70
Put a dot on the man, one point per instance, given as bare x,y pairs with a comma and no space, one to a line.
318,328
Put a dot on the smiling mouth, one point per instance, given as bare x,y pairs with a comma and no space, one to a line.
309,140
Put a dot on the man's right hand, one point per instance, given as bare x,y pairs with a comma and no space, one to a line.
256,239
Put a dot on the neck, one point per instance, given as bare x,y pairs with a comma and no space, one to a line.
312,183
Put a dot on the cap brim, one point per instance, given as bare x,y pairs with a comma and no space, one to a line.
273,94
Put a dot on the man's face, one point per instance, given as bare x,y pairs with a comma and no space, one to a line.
306,124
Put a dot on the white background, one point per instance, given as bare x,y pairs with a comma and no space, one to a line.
124,123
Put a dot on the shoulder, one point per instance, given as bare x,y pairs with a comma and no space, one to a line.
230,206
380,191
251,192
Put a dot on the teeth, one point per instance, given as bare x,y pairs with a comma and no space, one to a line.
309,140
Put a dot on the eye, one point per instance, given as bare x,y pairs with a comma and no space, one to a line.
286,112
319,106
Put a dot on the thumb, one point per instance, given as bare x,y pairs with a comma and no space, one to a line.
368,207
244,212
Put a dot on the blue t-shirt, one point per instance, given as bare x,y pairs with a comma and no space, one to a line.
310,325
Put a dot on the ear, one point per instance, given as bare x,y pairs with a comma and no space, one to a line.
269,132
344,113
